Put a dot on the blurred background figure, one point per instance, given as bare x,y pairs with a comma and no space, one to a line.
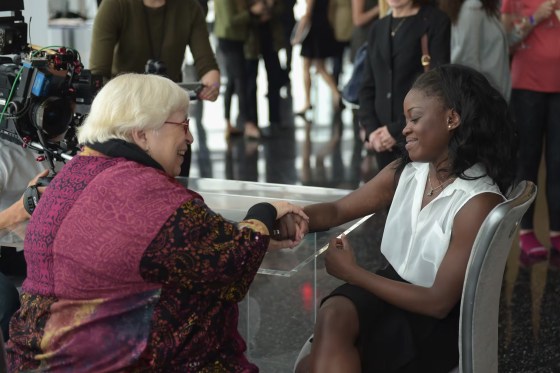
318,45
231,27
534,34
479,40
266,38
288,23
340,17
394,61
364,12
152,36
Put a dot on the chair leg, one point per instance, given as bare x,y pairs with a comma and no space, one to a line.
305,351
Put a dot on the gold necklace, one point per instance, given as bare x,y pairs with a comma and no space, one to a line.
432,189
394,31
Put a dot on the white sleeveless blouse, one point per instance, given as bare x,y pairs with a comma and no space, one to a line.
415,240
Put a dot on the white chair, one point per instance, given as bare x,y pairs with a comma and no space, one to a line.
478,325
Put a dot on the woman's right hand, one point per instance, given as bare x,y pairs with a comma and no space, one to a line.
291,224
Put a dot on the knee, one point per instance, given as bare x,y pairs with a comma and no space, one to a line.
338,314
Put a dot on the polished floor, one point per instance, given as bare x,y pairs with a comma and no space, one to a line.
278,314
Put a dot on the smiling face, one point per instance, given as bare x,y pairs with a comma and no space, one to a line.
429,127
168,144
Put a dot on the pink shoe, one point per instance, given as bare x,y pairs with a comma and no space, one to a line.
531,247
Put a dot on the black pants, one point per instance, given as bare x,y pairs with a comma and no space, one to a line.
274,75
12,263
538,120
235,65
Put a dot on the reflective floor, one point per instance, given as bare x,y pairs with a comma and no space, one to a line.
278,314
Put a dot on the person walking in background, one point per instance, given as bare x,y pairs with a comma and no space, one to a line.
231,27
479,40
266,38
535,100
394,61
364,12
318,45
340,17
136,36
288,23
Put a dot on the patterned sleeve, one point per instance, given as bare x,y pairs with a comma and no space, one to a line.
198,248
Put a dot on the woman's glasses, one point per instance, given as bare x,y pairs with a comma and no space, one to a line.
184,123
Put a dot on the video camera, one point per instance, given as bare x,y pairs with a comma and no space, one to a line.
44,92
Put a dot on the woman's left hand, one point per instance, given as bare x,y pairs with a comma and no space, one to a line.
339,260
211,82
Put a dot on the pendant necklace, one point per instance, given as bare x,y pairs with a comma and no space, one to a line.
440,186
394,31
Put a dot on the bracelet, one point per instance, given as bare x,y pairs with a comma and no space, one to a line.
532,21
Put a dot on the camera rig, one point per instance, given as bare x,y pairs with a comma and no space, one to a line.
44,93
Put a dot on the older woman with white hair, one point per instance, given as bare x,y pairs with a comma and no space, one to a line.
127,269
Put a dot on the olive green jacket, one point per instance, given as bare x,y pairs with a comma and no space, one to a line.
252,45
122,31
232,19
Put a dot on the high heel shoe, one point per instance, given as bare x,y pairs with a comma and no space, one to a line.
531,247
339,105
303,112
233,132
252,132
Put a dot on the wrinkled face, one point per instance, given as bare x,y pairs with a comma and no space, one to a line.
429,126
168,144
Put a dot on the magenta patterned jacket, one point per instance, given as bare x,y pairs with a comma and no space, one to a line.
130,271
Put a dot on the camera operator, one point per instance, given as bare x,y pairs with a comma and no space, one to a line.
152,35
17,167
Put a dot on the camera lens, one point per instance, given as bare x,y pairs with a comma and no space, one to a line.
52,116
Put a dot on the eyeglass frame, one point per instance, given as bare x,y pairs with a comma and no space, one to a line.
185,124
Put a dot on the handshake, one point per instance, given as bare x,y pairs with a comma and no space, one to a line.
291,225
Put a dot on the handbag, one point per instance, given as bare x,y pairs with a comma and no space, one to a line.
351,90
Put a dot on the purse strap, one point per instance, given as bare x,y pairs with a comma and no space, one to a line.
425,59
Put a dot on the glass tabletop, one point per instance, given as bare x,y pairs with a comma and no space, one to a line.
232,199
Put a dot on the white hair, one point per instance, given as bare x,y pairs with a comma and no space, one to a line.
129,102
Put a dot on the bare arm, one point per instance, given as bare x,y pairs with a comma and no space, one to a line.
439,299
13,214
16,212
361,17
372,196
518,27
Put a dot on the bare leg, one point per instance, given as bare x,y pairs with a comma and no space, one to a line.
335,334
321,69
306,83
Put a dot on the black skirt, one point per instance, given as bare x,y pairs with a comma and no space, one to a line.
320,42
394,340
